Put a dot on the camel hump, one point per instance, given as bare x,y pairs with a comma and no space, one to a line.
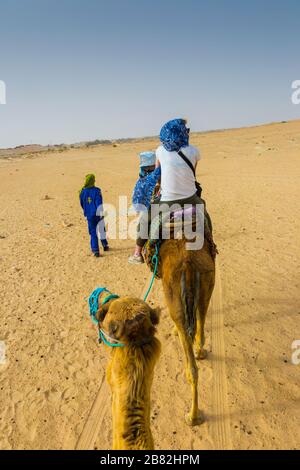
201,260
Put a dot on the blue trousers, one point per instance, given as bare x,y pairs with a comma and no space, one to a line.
92,224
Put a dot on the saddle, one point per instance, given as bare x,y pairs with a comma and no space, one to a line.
174,225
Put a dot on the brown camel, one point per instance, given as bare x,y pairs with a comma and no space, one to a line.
188,279
130,371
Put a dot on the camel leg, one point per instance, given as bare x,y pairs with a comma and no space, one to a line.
195,417
206,289
200,352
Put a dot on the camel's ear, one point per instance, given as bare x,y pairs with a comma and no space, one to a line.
154,315
102,311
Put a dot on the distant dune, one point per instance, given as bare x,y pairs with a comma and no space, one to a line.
33,149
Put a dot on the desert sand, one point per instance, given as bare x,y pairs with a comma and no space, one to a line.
54,366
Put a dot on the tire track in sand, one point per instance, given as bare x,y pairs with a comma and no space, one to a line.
100,406
95,418
220,424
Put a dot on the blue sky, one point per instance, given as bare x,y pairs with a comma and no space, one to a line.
84,69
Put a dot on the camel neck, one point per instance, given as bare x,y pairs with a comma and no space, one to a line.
131,398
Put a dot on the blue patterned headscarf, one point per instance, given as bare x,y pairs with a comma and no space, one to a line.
174,135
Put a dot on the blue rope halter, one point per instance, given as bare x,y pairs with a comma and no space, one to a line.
94,306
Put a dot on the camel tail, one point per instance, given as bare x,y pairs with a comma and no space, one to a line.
189,296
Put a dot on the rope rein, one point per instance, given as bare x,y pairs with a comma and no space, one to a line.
155,260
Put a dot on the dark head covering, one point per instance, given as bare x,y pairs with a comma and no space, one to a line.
174,135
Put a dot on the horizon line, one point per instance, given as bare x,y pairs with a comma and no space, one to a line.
122,139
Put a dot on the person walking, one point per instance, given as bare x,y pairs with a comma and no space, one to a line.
92,205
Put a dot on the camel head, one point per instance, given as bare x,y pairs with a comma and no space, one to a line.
128,320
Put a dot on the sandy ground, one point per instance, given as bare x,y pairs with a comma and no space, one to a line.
54,366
